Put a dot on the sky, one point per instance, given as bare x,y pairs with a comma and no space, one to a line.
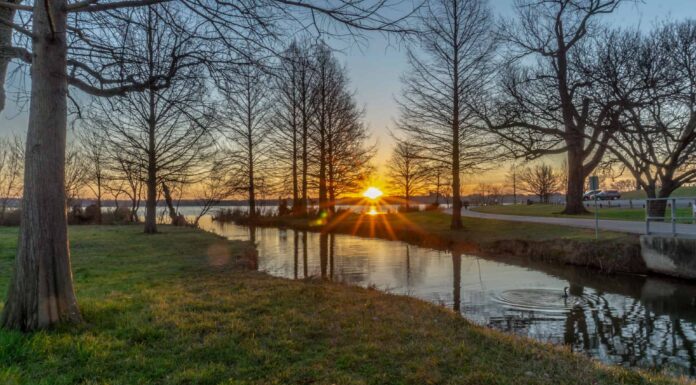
375,66
375,70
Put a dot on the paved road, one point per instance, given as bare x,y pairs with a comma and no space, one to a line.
604,224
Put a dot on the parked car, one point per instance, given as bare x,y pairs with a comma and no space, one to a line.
589,195
609,195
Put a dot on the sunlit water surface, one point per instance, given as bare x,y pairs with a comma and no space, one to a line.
623,320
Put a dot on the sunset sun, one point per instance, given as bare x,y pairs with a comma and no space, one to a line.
373,193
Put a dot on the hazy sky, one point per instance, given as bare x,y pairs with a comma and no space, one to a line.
375,68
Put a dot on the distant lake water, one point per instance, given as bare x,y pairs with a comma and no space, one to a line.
624,320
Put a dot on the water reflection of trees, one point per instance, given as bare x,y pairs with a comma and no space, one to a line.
622,331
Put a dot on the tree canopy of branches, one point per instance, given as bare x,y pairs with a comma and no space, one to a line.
70,43
655,75
544,105
448,68
541,180
246,125
166,130
408,174
338,135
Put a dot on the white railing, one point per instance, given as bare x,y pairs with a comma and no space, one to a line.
671,206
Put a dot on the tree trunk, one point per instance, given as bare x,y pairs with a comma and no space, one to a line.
41,293
576,181
151,204
295,184
322,173
456,185
456,196
456,280
170,205
323,253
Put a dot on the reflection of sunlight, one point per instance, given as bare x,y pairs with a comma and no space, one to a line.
372,211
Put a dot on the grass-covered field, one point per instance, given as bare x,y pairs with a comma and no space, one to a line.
689,191
173,309
542,210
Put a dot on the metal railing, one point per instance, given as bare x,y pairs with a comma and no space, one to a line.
671,205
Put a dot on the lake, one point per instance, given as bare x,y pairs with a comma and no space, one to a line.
633,321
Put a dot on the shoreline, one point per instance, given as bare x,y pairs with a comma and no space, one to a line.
618,254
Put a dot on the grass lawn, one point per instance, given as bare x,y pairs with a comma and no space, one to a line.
541,210
680,192
166,309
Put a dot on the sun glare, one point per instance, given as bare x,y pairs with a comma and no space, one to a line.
373,193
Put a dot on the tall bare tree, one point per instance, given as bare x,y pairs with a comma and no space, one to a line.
544,104
408,173
94,150
339,135
655,76
166,128
448,69
246,125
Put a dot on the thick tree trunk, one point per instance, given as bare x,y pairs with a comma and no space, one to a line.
576,181
41,293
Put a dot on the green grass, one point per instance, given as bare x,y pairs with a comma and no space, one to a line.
165,309
689,191
542,210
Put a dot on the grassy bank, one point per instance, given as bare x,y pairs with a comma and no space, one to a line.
689,191
614,252
175,308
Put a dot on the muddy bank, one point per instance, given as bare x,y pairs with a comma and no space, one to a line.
620,255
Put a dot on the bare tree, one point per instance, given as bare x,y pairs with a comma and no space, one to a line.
168,127
407,172
246,125
456,45
512,177
655,75
41,293
217,185
11,167
541,180
549,107
292,119
75,174
93,144
127,176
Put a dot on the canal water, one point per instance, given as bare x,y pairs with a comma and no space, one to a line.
631,321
